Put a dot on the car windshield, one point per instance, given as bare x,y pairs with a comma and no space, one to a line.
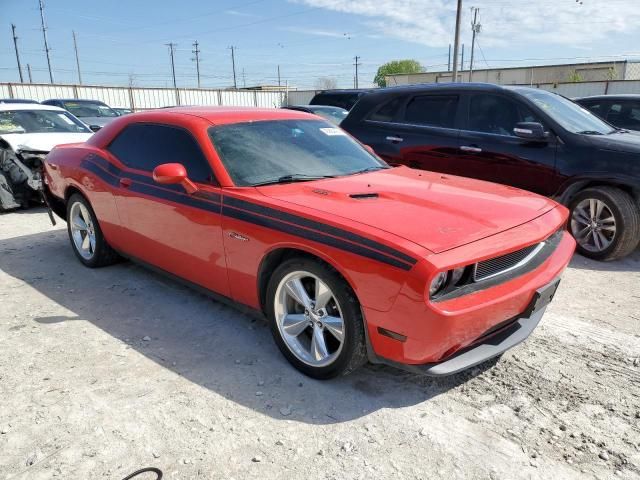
39,121
334,114
90,109
279,151
568,114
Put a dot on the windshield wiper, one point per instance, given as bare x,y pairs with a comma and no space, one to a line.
589,132
370,169
296,177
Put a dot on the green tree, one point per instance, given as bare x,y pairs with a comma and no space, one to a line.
575,77
396,66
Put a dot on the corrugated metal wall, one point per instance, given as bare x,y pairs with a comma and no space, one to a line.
147,98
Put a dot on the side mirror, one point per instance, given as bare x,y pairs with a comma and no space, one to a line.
94,128
530,131
172,174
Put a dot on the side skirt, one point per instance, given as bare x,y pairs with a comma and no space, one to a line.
240,307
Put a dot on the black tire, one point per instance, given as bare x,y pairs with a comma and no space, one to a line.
627,217
353,353
103,254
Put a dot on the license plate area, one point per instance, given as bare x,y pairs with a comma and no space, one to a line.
542,298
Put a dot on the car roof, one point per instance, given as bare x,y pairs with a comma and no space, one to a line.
18,100
619,96
223,115
28,106
77,100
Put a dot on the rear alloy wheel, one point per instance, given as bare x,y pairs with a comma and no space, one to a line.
315,319
605,222
85,235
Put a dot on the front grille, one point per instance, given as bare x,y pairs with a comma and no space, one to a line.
499,265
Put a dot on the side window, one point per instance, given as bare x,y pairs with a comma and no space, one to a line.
595,108
432,110
625,115
145,146
387,112
496,114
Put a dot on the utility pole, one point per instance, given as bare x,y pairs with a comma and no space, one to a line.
475,29
244,80
449,60
75,47
172,47
233,64
357,64
456,42
29,71
279,76
44,35
462,60
15,45
196,51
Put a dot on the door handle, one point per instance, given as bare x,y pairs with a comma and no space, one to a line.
466,148
395,139
125,182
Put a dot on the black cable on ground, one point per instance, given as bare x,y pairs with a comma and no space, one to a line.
155,470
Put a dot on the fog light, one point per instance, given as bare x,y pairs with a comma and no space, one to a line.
437,283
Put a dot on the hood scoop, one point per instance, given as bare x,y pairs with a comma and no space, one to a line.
363,196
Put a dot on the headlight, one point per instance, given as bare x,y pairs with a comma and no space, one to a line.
438,283
446,281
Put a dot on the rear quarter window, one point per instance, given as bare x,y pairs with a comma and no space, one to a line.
145,146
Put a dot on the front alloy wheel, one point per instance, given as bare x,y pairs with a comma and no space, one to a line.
593,225
315,318
309,318
605,221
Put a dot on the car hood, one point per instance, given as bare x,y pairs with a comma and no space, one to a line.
625,142
41,142
438,212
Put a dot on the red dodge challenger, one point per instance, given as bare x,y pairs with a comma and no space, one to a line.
350,259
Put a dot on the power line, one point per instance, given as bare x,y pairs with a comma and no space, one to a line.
75,47
196,51
15,45
44,36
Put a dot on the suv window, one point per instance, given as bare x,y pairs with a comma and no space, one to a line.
145,146
496,114
432,110
387,112
625,114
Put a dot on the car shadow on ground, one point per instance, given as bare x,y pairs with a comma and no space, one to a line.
630,263
207,342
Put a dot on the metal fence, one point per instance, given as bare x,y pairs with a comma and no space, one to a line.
147,98
585,89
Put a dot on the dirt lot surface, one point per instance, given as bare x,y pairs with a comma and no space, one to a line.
106,371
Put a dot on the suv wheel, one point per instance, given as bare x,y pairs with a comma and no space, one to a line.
315,319
605,222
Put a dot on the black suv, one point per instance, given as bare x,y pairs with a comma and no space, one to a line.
338,98
622,111
524,137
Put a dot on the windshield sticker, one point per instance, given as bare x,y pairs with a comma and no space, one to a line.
66,119
332,132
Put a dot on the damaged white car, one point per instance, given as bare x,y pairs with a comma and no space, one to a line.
27,133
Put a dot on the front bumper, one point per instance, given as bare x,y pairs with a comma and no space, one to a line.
499,340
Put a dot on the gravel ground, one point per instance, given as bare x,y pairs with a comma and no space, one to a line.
106,371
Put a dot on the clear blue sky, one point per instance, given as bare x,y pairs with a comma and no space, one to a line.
119,41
